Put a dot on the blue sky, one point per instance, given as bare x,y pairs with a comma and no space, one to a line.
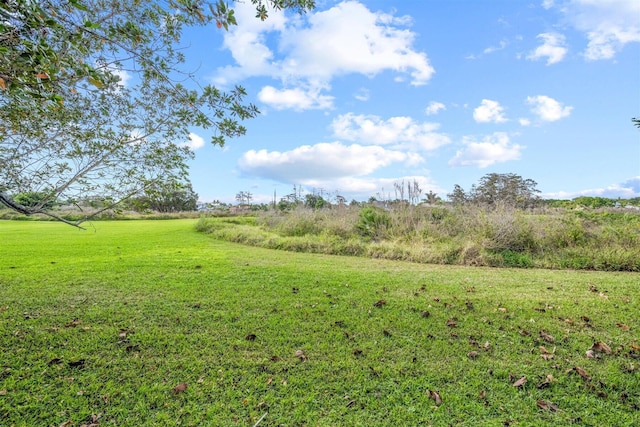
358,95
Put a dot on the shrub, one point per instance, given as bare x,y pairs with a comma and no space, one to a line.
373,222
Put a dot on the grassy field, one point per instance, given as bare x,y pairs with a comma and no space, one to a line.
150,323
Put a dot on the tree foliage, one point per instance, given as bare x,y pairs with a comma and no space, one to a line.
71,128
176,197
499,189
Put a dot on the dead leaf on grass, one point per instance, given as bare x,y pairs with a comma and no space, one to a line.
581,372
592,288
472,354
502,309
547,381
603,296
452,323
522,381
300,355
435,396
482,395
487,346
73,323
601,347
3,392
66,424
179,388
250,337
379,303
545,405
622,326
425,313
545,336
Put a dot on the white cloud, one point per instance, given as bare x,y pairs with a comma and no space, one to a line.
553,48
434,108
491,49
345,39
489,111
608,24
547,4
323,161
494,148
548,109
362,94
297,99
399,132
625,190
195,142
524,121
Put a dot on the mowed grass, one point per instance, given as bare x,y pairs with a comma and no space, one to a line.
149,323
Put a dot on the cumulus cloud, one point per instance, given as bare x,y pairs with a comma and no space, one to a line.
608,24
323,161
553,48
348,38
399,132
296,99
548,109
434,107
195,142
489,112
494,148
625,190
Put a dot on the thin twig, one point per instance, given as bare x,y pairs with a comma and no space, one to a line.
261,418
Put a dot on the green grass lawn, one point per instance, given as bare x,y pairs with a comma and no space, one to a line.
106,327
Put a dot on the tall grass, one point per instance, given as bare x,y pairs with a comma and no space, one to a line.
499,237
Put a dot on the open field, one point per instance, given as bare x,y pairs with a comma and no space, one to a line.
138,323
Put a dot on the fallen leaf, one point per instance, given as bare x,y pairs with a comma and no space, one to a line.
601,347
73,323
77,364
548,380
425,314
379,303
350,403
520,382
592,288
436,299
269,380
622,326
487,346
547,406
469,305
357,352
43,76
3,85
55,361
250,337
300,355
582,372
435,396
472,354
502,309
524,333
545,336
591,354
603,296
179,388
451,323
66,424
3,392
483,394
